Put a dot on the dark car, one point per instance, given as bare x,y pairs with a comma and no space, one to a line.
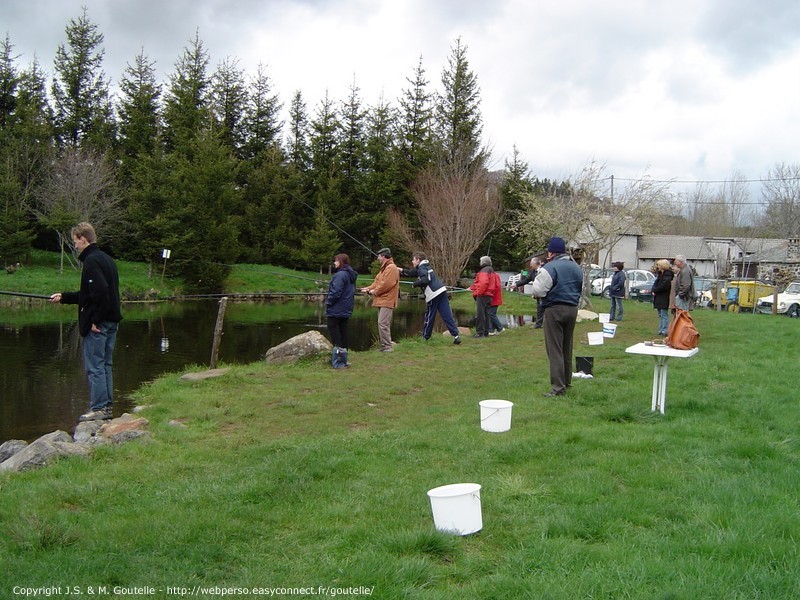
643,292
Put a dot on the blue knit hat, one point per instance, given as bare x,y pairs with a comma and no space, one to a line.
557,246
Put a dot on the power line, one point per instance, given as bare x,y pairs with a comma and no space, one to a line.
700,181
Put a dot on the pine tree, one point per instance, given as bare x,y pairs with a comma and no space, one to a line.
416,123
139,109
297,146
228,103
262,123
186,110
26,149
458,116
83,115
196,221
321,243
508,252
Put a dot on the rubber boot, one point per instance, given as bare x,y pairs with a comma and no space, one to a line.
335,358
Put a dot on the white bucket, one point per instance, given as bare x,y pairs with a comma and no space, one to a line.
495,415
595,338
604,317
528,289
457,508
609,329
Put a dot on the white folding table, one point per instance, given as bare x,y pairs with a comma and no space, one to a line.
661,354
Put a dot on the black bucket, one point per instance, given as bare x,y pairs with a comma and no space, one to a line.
584,363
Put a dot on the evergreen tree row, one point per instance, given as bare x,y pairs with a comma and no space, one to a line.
203,165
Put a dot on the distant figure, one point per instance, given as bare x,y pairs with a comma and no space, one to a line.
535,265
682,284
385,291
483,292
559,285
339,308
617,291
436,300
99,315
661,289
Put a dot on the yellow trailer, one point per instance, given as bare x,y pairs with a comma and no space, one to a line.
744,294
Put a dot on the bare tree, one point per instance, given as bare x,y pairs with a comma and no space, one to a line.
79,187
590,214
457,206
781,192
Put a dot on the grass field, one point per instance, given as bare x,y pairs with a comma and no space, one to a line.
299,476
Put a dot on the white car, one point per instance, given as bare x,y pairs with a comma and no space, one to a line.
788,302
601,285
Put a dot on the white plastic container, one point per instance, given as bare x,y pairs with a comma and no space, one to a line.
609,330
595,338
456,508
604,317
495,415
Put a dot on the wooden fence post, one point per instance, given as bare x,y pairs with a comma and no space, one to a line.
218,332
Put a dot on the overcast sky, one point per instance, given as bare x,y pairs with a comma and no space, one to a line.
684,89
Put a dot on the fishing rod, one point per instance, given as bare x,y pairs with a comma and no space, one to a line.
25,295
335,225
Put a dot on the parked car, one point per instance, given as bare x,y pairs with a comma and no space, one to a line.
601,285
788,302
643,292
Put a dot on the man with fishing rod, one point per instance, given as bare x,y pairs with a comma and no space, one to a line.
435,296
99,315
385,291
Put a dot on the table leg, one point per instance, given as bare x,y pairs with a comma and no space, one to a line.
660,384
656,381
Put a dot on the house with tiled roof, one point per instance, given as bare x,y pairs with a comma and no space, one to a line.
697,252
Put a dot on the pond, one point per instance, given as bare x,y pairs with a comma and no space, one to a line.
43,387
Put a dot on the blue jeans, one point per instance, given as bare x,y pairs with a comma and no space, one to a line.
616,309
663,320
97,351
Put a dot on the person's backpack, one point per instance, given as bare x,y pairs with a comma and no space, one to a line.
682,334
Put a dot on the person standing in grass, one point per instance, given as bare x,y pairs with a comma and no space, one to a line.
536,264
483,292
339,308
683,284
385,291
617,291
495,326
99,314
436,300
559,284
661,289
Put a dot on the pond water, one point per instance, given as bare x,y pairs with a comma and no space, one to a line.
43,387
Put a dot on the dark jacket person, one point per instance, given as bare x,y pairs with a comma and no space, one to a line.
99,315
559,284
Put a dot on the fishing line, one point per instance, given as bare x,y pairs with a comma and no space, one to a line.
335,225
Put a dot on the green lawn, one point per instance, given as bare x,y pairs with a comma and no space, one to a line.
292,476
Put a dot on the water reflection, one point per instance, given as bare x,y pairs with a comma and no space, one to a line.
42,385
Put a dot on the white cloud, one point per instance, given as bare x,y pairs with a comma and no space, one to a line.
690,89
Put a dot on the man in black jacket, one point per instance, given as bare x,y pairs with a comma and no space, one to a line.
98,318
536,264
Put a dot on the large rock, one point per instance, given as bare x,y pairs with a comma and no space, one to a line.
305,345
43,451
59,443
125,428
586,315
10,448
